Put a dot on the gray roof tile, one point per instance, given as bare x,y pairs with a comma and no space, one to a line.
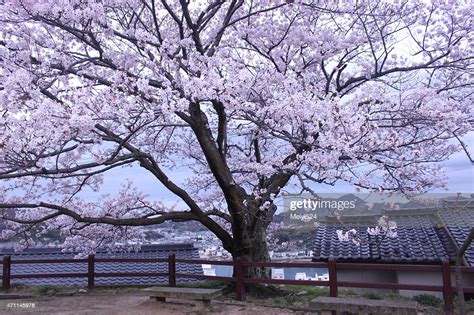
423,236
183,251
459,222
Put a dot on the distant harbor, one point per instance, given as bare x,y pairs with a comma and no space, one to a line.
277,273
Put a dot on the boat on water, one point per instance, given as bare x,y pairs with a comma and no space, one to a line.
301,276
278,273
323,277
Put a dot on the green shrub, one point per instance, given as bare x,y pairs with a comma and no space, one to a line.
46,290
470,305
279,300
207,284
289,299
394,296
347,292
312,291
427,299
372,296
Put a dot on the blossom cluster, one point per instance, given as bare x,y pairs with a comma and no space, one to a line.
278,95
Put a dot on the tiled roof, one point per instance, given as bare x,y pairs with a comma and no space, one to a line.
184,251
423,236
459,222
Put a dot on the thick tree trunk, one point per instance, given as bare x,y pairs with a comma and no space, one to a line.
458,273
254,248
459,287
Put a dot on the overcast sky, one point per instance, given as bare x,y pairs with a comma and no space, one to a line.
458,169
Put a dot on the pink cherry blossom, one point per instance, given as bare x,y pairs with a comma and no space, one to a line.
248,98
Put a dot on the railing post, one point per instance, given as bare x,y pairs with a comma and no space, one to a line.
172,270
447,288
90,271
239,277
6,272
332,277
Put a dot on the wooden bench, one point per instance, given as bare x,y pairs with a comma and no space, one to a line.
344,305
204,295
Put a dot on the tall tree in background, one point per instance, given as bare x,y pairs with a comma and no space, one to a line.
247,97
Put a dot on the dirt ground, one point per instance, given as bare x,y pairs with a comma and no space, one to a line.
123,304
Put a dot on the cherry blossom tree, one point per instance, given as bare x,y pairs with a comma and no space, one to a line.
250,98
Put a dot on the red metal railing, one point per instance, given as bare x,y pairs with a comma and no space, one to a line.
239,274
